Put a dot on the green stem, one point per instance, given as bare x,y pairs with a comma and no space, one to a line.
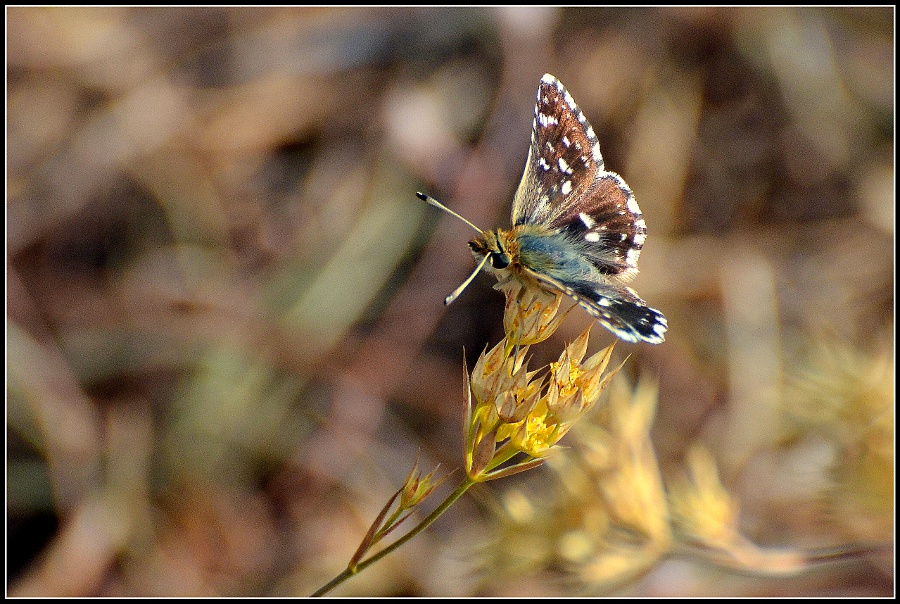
502,455
350,571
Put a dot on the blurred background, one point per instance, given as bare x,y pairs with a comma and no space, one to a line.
226,338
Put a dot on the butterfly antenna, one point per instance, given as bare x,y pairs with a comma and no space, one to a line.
432,201
459,290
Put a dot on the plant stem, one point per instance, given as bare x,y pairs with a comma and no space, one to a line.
350,571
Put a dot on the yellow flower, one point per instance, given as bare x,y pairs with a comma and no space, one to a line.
537,433
510,411
513,406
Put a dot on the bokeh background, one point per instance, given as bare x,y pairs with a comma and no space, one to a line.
226,343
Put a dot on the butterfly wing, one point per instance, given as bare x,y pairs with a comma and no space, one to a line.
590,216
565,186
617,308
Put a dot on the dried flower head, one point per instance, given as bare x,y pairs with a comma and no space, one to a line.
531,314
511,410
573,389
416,488
607,521
700,506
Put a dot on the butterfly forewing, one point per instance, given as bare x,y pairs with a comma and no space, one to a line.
621,311
563,159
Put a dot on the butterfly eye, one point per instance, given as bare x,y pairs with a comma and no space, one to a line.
499,259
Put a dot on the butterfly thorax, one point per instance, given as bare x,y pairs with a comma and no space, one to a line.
534,250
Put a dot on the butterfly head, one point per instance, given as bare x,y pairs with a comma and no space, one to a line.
497,246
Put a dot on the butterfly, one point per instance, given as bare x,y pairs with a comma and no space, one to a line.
576,228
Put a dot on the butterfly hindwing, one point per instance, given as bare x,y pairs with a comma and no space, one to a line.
616,307
608,221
